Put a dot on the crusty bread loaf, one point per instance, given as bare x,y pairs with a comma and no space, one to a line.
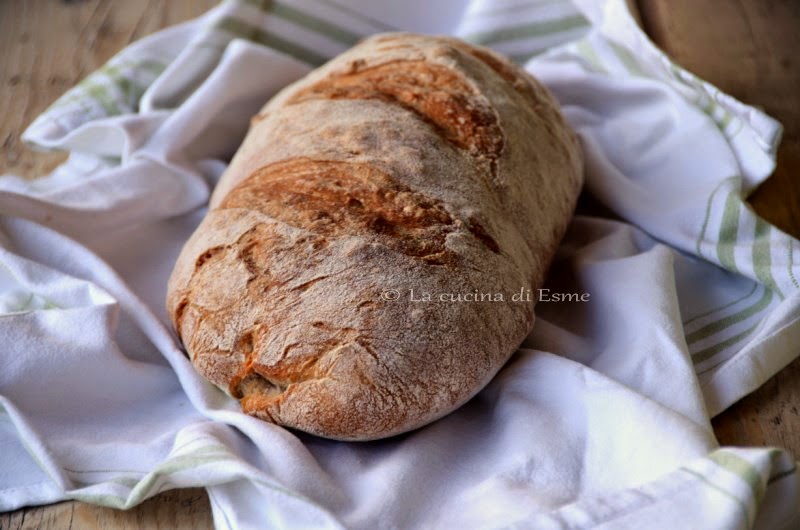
408,166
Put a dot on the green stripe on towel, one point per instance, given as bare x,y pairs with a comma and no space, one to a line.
762,255
102,86
723,307
587,51
704,227
742,468
517,8
307,20
524,31
628,60
728,321
255,34
708,353
729,231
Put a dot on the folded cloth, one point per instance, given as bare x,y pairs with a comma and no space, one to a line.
600,420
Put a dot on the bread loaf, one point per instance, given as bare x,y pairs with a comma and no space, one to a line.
338,284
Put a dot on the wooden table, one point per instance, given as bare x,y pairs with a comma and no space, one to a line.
748,48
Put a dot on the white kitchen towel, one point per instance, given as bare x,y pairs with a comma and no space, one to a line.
601,420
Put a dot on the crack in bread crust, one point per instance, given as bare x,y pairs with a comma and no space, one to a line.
336,199
437,94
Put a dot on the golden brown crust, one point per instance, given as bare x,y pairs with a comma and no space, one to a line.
437,94
408,163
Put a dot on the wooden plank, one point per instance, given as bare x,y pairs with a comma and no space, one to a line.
172,510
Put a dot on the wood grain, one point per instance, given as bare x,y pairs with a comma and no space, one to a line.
746,47
172,510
